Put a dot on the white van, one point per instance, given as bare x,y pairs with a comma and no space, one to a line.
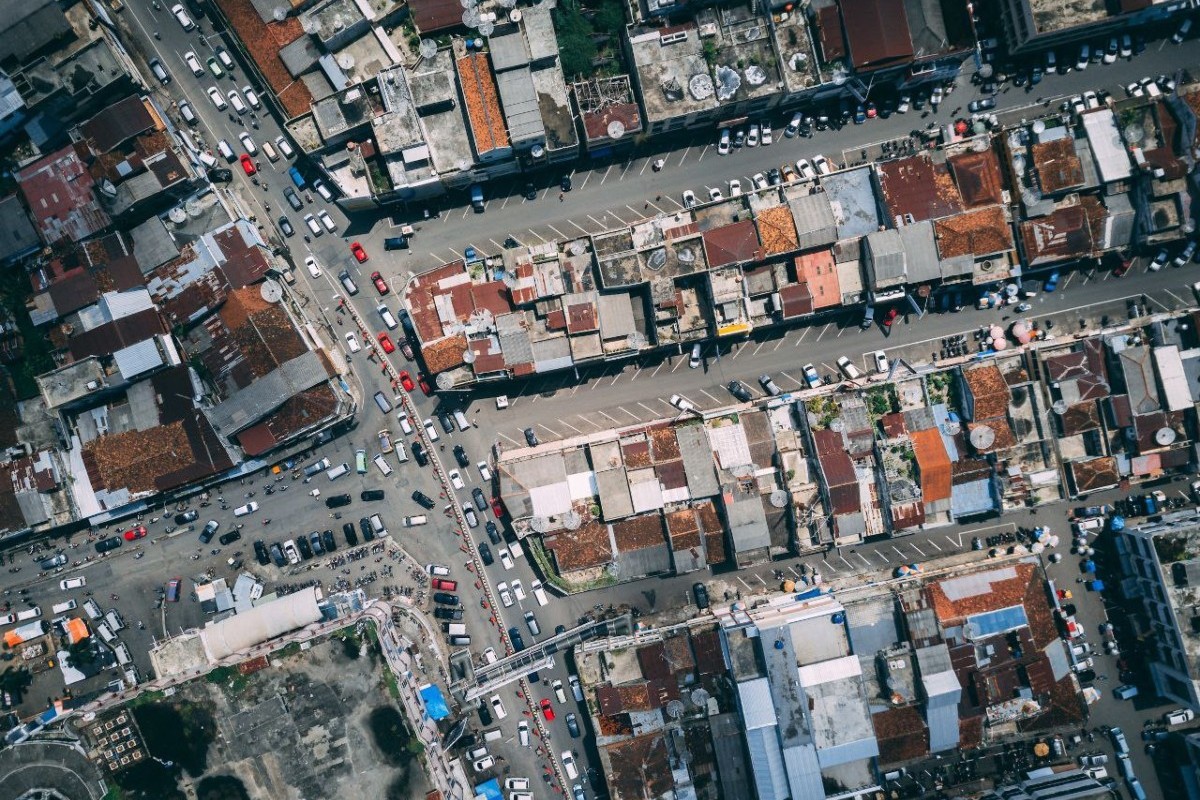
249,508
207,159
538,592
338,471
382,402
401,453
114,620
105,632
92,609
386,315
226,151
493,734
419,519
269,151
29,613
62,608
377,523
384,467
516,783
123,656
460,419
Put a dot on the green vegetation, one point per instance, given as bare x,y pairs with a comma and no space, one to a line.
288,651
578,31
389,682
221,787
35,348
881,400
1171,549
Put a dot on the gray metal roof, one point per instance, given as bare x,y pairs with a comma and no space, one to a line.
612,485
697,457
632,564
138,358
266,394
539,32
871,624
967,499
920,252
520,104
27,26
551,354
804,771
766,765
747,521
1137,367
884,254
1118,225
20,237
852,195
942,691
787,695
726,732
153,245
508,49
815,224
616,315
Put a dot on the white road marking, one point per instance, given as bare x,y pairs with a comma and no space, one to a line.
802,335
538,235
683,156
736,351
822,333
919,550
602,180
710,397
653,413
613,420
656,369
935,545
630,413
514,441
793,380
598,222
561,235
577,225
569,425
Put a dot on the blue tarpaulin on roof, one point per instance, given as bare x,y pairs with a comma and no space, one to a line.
489,789
435,704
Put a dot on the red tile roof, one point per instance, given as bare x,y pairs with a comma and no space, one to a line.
580,549
488,130
1062,234
1057,164
796,299
596,123
432,16
777,230
989,390
819,271
736,243
59,191
979,233
933,462
117,124
916,186
876,32
980,182
264,40
1004,593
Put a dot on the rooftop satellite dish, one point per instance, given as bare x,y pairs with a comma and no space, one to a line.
983,437
980,145
657,259
728,82
577,248
686,255
444,381
953,428
797,61
1039,126
487,27
1134,133
838,425
755,75
310,25
345,61
572,521
1164,436
616,129
470,18
193,208
636,340
279,13
468,356
701,86
539,524
1060,407
177,215
779,499
840,76
985,71
271,291
675,709
742,471
537,151
428,48
699,696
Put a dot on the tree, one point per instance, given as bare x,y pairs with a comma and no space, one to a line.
610,18
575,43
80,654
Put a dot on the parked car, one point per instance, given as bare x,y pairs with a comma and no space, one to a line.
769,386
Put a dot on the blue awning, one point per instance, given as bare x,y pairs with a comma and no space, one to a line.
435,703
489,789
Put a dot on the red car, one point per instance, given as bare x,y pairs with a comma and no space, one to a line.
380,285
547,709
497,507
445,584
890,317
358,252
406,381
424,386
248,164
135,533
385,342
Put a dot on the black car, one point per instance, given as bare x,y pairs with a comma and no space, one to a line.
368,530
303,546
453,614
492,531
480,501
327,540
565,183
530,191
485,715
395,243
774,176
371,494
460,456
186,517
293,199
278,557
337,501
485,554
445,598
531,438
739,390
700,592
285,225
514,636
350,534
419,454
210,528
230,538
573,725
447,422
982,104
260,552
422,499
1086,676
112,543
315,538
220,175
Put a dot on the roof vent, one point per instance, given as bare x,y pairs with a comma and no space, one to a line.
673,38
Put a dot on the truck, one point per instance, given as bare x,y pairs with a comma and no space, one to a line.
297,178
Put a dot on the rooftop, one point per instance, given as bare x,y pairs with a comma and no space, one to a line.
916,188
59,191
978,176
1050,16
483,105
877,32
982,232
1058,165
1065,233
674,77
608,109
989,390
851,194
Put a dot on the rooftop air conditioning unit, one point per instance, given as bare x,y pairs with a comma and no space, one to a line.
708,29
672,38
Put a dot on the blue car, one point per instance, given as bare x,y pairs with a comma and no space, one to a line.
1051,282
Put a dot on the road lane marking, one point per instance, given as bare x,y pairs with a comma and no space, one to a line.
802,335
677,364
703,152
710,397
498,245
848,564
569,425
613,420
598,222
628,164
653,413
822,333
781,340
743,583
535,233
514,441
954,543
736,351
586,179
656,369
756,349
561,235
1177,297
577,225
793,380
935,545
919,550
589,422
899,552
630,413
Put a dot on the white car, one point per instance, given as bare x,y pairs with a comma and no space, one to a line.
505,596
72,583
505,557
1091,99
327,221
456,479
310,264
430,430
723,143
518,589
193,63
286,148
1082,664
793,127
252,98
184,20
539,593
1110,55
735,187
484,472
683,404
848,369
352,342
487,762
767,136
248,143
405,424
217,98
321,188
1134,90
752,136
822,165
714,195
489,656
1179,716
498,707
811,376
559,694
235,100
881,362
760,180
313,227
689,199
805,169
569,765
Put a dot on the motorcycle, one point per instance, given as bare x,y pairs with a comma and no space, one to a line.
658,165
